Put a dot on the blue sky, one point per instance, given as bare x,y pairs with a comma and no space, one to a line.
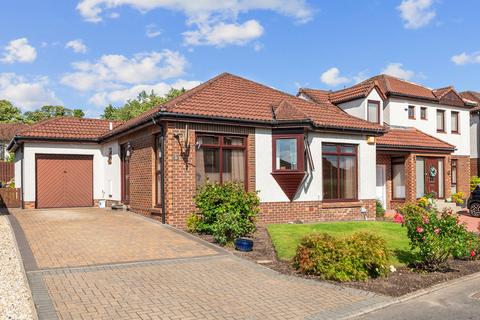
88,53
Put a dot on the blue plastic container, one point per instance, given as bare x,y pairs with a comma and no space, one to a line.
244,244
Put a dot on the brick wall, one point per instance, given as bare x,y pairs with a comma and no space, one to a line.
463,174
474,164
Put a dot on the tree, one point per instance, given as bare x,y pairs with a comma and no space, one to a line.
143,102
78,113
47,112
9,113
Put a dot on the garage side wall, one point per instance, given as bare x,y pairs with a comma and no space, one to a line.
29,176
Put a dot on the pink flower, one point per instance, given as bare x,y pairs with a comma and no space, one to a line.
437,230
472,254
398,218
419,229
426,221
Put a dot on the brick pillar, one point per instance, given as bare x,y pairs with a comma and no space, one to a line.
448,176
410,178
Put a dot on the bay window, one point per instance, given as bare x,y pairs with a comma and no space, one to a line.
288,153
339,163
220,159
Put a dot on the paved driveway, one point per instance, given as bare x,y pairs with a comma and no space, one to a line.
99,264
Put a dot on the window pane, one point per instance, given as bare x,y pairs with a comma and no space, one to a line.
286,154
398,174
348,177
328,148
330,180
207,140
233,164
233,141
373,115
207,165
423,113
454,120
411,112
347,149
420,177
440,122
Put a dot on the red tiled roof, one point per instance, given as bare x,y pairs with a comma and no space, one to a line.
472,96
411,138
69,128
8,130
387,85
231,97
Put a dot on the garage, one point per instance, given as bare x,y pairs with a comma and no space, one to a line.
64,181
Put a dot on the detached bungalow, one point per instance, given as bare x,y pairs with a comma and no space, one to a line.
309,161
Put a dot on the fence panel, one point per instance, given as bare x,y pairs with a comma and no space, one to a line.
7,171
10,198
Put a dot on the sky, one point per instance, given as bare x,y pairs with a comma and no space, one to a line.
89,53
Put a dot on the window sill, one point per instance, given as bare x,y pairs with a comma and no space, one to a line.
341,204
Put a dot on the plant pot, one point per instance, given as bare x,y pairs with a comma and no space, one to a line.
244,244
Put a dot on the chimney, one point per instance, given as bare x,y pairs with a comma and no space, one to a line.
110,125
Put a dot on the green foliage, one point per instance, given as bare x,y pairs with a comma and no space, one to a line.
9,113
379,210
192,223
474,182
458,197
225,211
47,112
135,107
436,236
359,256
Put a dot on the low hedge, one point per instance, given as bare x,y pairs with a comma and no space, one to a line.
360,256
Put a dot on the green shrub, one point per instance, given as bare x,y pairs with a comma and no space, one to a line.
474,181
192,223
458,198
434,236
225,211
357,257
469,247
380,211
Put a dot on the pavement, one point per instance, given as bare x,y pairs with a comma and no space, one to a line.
100,264
459,300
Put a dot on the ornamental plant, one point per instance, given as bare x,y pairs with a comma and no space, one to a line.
379,210
435,237
458,197
474,182
225,211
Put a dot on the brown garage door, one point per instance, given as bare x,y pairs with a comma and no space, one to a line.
64,181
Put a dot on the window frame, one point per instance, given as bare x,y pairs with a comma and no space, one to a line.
377,103
457,121
443,120
454,164
410,107
423,116
222,146
394,161
300,151
339,153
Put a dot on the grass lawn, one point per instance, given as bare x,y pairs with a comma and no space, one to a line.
285,237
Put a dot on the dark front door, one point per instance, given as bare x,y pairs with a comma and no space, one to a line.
431,176
125,165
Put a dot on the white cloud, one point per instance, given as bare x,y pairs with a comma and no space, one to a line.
416,13
332,77
466,58
77,46
152,31
115,71
19,51
122,95
27,94
216,17
397,70
223,34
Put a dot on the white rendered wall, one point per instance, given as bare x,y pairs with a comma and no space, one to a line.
31,149
398,116
358,108
311,189
474,123
111,183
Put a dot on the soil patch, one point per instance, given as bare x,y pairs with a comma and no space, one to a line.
403,281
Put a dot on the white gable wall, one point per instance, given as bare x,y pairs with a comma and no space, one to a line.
311,189
358,108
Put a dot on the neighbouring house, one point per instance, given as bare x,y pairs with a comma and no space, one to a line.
427,147
473,97
309,161
7,132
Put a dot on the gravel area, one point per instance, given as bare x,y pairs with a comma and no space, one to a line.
15,296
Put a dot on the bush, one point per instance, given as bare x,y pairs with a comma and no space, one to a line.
436,236
474,182
225,211
380,211
357,257
458,197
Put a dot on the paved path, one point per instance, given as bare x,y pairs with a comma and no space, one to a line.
97,264
460,302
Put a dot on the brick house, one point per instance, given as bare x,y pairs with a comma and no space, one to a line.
427,147
474,98
309,161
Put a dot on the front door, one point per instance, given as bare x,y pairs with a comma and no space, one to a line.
125,166
431,176
381,190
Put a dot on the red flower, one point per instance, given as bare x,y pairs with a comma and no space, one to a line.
419,229
472,254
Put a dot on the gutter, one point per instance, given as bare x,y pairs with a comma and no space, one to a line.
395,147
